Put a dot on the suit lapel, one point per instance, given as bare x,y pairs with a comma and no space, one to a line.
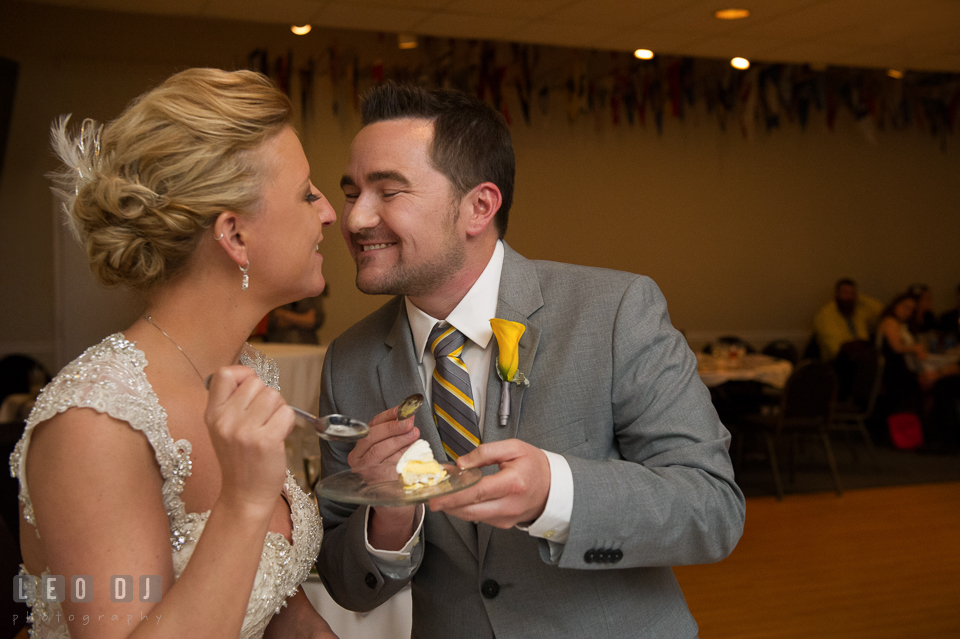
399,378
519,299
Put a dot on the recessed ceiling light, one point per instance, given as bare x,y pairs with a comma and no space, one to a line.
896,74
406,41
740,63
643,54
304,30
731,14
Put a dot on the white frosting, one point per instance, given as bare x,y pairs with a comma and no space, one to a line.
419,451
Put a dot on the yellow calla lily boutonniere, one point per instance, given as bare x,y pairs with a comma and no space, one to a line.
508,360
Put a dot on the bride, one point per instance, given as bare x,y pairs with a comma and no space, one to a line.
198,197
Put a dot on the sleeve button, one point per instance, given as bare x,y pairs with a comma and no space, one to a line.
370,580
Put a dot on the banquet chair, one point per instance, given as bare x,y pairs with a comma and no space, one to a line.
812,349
851,415
806,408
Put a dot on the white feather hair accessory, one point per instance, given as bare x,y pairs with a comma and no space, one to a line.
80,154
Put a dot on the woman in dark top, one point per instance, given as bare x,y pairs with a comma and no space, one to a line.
902,354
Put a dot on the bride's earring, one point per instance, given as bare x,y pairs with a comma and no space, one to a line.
245,284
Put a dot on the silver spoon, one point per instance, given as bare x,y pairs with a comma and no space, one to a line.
335,428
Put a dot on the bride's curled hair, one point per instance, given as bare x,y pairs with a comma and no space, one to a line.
139,191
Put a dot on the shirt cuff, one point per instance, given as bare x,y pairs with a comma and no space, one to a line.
397,564
554,524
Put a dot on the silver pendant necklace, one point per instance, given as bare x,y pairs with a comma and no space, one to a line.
150,321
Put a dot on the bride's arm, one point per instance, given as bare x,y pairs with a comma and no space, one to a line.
299,620
96,492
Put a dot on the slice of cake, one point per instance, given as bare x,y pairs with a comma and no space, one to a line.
417,467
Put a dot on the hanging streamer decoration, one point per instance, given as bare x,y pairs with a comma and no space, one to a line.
257,61
281,71
766,97
335,78
306,73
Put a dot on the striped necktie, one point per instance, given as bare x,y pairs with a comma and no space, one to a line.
453,409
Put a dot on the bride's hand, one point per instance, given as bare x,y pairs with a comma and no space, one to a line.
248,423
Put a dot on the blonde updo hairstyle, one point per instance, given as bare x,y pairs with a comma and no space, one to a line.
140,195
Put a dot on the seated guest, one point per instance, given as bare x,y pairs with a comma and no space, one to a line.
950,324
297,322
849,317
923,320
910,385
901,387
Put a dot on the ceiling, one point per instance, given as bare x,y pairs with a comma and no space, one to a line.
898,34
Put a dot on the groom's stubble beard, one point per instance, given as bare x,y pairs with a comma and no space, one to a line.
419,279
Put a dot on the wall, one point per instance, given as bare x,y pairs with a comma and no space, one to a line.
743,236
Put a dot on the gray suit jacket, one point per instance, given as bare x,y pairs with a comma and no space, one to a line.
614,389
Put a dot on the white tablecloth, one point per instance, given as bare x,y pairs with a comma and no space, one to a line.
300,367
392,620
938,361
752,367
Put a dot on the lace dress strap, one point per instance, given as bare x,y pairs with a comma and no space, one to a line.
110,379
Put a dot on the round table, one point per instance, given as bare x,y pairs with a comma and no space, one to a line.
300,366
751,367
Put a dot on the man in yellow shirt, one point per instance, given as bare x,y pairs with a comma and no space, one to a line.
847,318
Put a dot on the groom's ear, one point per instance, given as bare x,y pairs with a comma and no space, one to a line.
480,206
229,230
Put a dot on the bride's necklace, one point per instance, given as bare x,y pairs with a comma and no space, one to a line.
150,321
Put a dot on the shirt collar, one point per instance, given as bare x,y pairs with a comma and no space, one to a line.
471,316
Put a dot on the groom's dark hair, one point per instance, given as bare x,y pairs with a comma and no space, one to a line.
471,141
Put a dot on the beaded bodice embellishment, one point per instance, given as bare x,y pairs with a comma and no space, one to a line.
110,378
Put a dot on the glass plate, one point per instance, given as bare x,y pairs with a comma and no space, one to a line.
381,486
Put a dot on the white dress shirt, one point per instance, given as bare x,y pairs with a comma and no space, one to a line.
472,318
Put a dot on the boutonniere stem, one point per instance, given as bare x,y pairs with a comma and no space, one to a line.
504,413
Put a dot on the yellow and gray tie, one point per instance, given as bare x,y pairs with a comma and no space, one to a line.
453,408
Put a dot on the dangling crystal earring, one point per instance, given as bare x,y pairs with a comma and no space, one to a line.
245,284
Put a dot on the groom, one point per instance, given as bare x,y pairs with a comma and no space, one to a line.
612,465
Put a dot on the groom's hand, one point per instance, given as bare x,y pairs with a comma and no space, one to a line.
516,494
387,440
388,528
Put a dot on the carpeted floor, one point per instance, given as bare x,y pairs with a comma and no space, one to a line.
891,468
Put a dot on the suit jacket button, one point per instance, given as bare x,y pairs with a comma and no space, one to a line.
603,556
617,555
370,580
490,589
590,556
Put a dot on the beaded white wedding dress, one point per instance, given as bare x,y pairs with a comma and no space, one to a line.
109,378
